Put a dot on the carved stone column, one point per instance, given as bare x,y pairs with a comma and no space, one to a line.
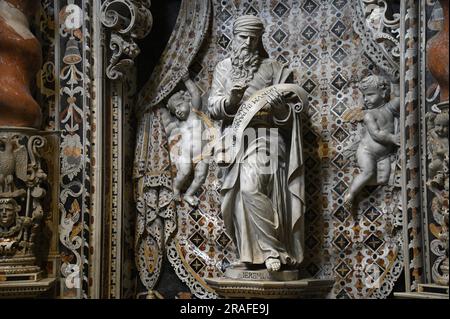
438,184
22,171
123,21
434,118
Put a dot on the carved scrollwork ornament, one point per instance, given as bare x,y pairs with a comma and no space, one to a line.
128,20
380,34
21,193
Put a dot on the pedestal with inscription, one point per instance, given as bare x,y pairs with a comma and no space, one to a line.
268,285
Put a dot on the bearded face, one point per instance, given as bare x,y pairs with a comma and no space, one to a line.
244,56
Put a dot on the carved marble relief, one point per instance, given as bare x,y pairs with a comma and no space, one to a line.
362,243
21,192
436,160
158,214
128,21
362,252
262,197
123,22
26,155
379,138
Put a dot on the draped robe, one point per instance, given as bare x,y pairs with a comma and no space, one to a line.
262,202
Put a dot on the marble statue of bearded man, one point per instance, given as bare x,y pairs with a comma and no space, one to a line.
262,208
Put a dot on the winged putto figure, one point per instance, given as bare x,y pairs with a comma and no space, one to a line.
378,139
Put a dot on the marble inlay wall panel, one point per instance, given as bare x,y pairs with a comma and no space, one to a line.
362,251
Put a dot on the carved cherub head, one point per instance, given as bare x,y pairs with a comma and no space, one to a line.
8,212
179,105
441,124
376,91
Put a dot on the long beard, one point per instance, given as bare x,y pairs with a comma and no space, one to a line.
244,64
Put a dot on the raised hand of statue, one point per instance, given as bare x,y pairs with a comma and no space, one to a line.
236,93
277,101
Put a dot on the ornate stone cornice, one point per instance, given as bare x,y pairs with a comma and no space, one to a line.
128,20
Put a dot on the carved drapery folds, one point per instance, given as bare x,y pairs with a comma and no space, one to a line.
157,214
129,20
183,46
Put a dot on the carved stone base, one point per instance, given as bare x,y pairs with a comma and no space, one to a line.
23,189
425,291
297,289
261,275
25,289
10,273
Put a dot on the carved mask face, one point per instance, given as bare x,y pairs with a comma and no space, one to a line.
441,127
7,213
373,98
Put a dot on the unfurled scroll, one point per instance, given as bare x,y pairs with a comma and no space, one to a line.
229,145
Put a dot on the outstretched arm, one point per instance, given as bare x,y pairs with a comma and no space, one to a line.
376,133
193,91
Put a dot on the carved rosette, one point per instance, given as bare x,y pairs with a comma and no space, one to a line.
128,20
22,189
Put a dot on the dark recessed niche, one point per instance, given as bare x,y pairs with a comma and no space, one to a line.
165,15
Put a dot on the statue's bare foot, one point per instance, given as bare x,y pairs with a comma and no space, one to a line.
273,264
191,200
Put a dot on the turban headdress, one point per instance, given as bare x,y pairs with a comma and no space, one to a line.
248,23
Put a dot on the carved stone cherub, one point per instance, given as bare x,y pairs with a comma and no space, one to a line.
438,142
188,126
378,139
